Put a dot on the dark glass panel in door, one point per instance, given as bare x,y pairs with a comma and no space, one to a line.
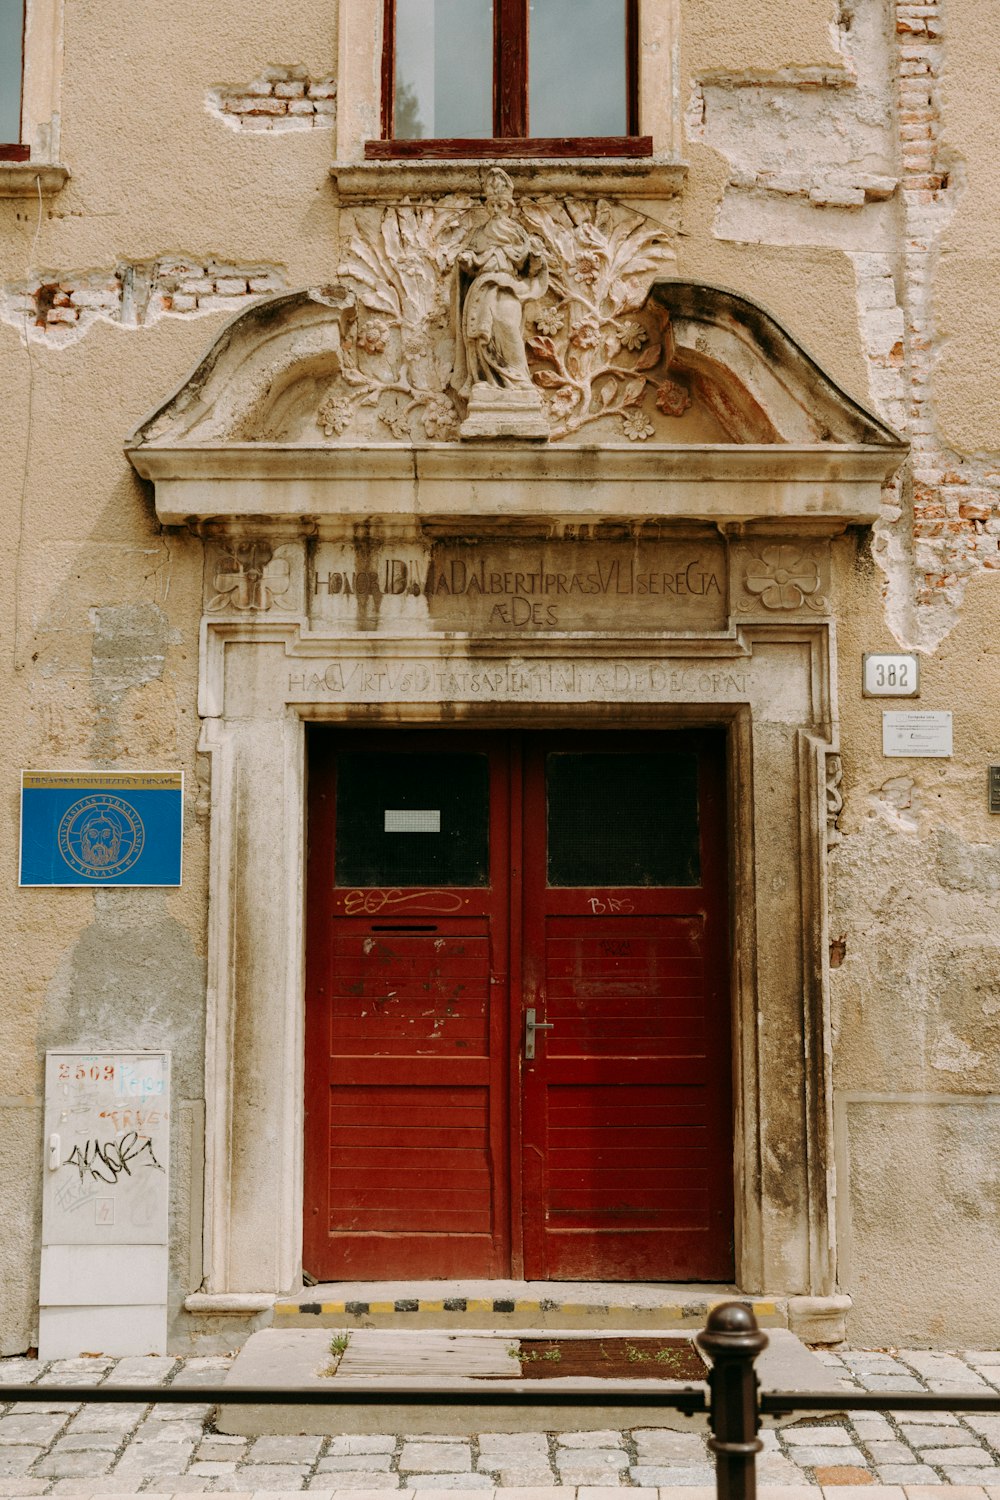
412,819
622,819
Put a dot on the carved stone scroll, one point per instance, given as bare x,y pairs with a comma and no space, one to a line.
834,800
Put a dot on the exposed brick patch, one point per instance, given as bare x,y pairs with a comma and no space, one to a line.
280,98
846,189
952,503
840,144
819,136
58,308
956,501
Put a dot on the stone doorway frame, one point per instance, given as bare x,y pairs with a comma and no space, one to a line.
802,464
780,734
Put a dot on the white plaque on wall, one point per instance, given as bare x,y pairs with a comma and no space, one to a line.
923,733
105,1200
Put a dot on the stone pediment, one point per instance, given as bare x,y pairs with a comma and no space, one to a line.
477,352
688,366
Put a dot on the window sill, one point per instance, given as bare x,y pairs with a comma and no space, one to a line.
29,179
384,181
558,148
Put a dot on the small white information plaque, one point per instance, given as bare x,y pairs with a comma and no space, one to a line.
890,674
105,1204
917,733
413,820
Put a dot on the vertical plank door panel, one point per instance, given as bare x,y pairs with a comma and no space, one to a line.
406,1029
628,1132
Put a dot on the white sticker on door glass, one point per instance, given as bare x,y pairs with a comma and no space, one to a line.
412,820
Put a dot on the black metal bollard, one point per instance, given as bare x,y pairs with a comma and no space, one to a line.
732,1341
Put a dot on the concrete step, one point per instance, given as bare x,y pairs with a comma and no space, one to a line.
418,1360
514,1304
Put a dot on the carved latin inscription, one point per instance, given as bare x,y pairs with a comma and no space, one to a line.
349,679
490,588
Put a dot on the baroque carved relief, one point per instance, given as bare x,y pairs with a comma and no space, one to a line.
533,306
499,269
784,578
249,577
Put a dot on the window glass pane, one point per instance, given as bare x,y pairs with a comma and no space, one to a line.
408,819
444,69
11,36
576,68
623,819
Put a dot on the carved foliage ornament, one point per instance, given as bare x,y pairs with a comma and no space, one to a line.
546,299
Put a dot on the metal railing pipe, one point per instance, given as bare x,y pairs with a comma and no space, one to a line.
691,1401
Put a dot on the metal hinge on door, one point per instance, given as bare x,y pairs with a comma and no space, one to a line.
530,1027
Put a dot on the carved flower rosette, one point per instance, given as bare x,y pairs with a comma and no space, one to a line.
785,578
598,349
249,577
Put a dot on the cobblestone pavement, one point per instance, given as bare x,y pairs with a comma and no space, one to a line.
48,1447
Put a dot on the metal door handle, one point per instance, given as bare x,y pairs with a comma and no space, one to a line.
530,1027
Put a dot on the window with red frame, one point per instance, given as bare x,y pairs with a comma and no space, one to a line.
11,70
510,78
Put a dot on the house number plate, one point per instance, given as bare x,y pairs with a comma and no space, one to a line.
890,675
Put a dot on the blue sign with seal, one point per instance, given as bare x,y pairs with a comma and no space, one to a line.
101,828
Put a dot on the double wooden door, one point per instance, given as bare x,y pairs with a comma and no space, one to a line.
518,1052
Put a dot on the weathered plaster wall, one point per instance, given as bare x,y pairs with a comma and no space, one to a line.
843,171
878,166
109,293
915,933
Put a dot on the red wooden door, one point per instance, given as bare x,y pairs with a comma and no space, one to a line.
627,1132
407,1005
427,935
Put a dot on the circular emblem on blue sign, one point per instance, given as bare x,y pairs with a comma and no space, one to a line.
101,836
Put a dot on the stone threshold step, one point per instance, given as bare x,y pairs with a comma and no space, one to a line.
514,1304
425,1359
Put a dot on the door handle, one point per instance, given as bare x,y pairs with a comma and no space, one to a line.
530,1027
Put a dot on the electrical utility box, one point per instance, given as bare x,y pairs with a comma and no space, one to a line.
105,1196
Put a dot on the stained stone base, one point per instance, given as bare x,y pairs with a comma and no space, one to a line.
497,412
410,1361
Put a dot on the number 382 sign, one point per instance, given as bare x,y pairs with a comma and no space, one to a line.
893,674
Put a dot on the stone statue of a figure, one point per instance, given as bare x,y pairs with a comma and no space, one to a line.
499,269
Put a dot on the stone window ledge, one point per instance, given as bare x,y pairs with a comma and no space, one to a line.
26,179
581,177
